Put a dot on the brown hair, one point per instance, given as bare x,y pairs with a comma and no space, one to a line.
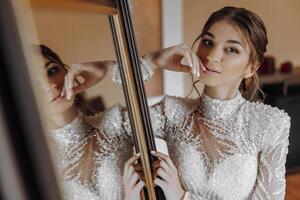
79,101
254,30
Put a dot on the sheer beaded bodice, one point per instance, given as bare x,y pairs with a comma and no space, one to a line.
89,153
223,149
226,149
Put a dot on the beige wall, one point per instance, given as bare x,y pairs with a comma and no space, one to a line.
146,17
282,19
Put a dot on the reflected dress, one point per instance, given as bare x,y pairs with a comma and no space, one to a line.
223,149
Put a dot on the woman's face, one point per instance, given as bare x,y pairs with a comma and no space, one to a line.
52,87
225,53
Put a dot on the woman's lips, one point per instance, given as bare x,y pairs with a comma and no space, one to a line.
210,69
56,98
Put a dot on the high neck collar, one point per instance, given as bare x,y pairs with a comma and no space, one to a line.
220,108
69,132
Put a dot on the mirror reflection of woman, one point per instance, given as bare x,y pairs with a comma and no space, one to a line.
89,150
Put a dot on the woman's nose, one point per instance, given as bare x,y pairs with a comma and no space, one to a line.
215,55
51,86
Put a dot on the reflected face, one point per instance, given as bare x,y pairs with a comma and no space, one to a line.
52,87
225,53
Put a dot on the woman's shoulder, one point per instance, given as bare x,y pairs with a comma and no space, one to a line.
267,121
177,108
110,119
266,112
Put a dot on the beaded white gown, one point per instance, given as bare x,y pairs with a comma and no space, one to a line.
223,149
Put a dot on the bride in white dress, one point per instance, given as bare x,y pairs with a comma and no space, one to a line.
222,145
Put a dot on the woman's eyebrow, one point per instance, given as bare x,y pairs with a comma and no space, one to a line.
228,41
51,62
48,63
209,34
235,42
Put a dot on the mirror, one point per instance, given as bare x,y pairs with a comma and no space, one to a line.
82,37
90,141
85,132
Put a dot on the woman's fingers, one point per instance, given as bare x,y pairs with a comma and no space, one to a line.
160,183
79,88
130,162
196,64
137,167
68,84
155,164
186,60
139,186
164,157
130,171
74,81
165,166
191,60
163,174
133,180
63,92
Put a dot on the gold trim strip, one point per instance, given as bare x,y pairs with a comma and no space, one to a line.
141,140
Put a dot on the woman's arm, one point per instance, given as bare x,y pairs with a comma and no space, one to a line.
176,58
85,75
270,183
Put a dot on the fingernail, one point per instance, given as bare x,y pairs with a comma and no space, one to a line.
138,154
195,71
152,152
190,63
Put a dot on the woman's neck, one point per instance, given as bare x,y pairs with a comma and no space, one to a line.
221,92
65,118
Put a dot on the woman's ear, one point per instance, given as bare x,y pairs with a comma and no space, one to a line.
251,69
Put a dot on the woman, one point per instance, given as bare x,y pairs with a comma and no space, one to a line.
89,151
221,145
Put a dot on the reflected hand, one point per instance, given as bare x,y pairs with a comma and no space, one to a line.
167,177
131,180
83,76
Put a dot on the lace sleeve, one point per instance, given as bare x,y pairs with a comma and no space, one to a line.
147,71
270,182
191,196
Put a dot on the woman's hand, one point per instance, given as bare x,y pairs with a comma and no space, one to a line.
168,178
131,180
176,58
83,76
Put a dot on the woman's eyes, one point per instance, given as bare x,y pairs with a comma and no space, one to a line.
209,44
52,70
232,50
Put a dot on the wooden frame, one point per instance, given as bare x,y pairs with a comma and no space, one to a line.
134,90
